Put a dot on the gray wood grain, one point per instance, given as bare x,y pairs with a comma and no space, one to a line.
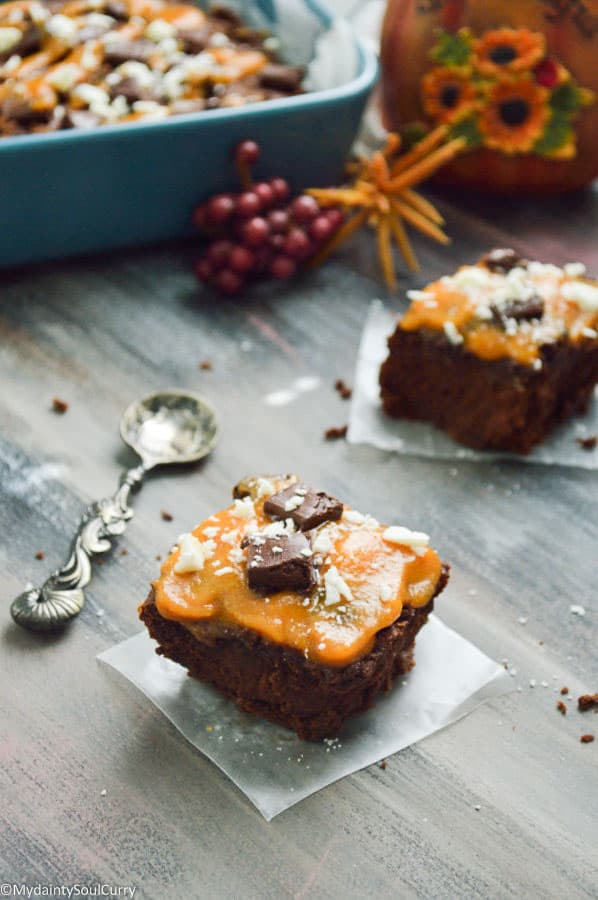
522,541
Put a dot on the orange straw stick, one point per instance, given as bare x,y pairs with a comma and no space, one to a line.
403,243
426,145
418,221
423,206
427,166
344,232
385,252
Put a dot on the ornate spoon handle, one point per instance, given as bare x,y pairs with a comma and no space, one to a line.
61,596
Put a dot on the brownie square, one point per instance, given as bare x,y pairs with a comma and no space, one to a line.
278,683
496,355
498,405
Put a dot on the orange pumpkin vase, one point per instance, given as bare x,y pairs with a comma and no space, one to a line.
519,81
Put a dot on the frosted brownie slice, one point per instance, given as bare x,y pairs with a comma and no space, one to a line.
296,607
497,354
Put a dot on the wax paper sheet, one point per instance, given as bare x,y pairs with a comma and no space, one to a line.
369,425
272,766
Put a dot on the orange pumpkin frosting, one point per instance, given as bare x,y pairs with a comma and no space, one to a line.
496,314
365,575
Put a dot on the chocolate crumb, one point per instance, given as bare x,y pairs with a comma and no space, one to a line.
59,406
100,562
206,365
342,389
588,443
158,557
561,708
587,701
166,515
564,691
40,554
382,764
124,551
586,738
336,434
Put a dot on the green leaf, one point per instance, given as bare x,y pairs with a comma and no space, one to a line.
413,133
566,98
468,129
557,134
452,49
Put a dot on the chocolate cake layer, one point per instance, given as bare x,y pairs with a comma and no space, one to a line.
500,404
277,682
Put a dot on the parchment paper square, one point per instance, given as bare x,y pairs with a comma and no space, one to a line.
271,765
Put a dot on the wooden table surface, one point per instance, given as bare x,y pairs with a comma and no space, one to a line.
99,333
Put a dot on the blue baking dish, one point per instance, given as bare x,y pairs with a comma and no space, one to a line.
73,192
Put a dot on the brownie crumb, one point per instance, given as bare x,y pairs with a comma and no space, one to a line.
59,406
342,389
382,764
124,551
588,443
336,434
158,557
564,691
166,515
206,365
587,701
561,708
586,738
40,554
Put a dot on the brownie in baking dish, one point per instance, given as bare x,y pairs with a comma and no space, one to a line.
497,354
294,606
84,63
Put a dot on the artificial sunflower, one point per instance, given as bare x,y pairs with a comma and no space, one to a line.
447,95
508,51
515,116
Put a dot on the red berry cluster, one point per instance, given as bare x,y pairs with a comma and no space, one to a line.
261,232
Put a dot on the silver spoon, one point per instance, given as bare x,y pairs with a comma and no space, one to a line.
168,427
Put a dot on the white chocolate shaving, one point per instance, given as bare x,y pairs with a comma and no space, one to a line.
417,540
335,587
193,554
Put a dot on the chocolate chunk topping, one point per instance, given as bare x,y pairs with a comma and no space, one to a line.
249,486
29,42
279,563
502,260
21,110
195,40
520,310
119,52
117,10
305,506
131,90
277,77
224,12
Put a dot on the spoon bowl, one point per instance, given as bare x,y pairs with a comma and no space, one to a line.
170,427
